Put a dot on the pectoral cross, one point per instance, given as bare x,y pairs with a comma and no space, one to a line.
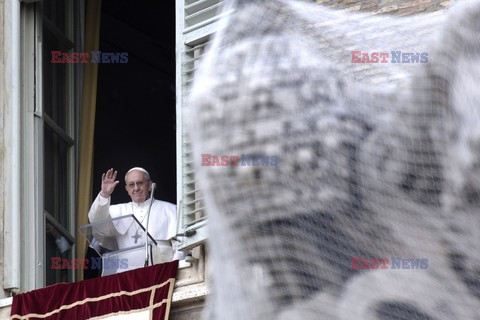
136,236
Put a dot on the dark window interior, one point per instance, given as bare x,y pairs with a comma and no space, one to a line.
135,116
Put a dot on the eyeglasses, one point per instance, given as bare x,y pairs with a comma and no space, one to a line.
140,183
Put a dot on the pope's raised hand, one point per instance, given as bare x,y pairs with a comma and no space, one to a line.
108,183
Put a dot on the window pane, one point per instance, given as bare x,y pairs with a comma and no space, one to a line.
53,251
55,11
54,80
55,176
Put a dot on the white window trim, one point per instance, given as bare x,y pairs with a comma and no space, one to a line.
24,226
195,234
12,144
187,39
32,222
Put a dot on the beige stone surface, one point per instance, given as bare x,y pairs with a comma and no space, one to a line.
394,7
192,312
5,313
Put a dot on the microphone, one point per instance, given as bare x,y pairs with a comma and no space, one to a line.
154,185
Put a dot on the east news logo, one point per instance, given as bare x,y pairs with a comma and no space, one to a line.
397,263
244,160
394,56
96,263
96,57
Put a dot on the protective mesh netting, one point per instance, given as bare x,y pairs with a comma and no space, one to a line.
376,161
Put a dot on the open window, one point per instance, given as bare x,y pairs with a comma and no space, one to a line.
47,141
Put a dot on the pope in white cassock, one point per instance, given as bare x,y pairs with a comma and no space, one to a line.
162,223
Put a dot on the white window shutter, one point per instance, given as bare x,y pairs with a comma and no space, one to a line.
197,20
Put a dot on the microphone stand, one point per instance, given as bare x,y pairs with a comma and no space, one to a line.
146,228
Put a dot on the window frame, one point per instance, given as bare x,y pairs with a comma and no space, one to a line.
33,216
65,135
197,21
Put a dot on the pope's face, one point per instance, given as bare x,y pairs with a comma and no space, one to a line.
137,186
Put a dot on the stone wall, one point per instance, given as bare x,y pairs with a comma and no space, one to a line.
193,311
394,7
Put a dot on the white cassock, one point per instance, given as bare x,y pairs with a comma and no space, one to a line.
162,226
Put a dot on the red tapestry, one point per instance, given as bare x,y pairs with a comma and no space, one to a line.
144,293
